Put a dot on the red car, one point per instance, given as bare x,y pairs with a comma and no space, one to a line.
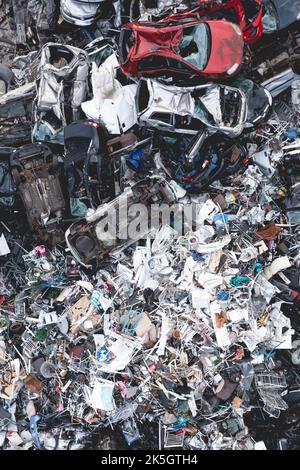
188,50
247,13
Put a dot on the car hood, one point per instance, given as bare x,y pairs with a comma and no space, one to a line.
154,39
227,47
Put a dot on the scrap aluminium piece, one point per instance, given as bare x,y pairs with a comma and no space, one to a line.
35,172
269,387
62,86
111,227
293,204
291,166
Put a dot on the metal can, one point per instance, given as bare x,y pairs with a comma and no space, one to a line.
295,95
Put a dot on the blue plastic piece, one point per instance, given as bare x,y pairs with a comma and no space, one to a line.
180,423
96,294
258,267
55,282
134,160
73,375
221,219
131,321
90,37
291,134
103,354
35,432
222,295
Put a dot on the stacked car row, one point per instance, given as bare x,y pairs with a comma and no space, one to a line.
185,57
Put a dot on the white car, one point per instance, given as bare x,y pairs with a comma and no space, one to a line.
189,110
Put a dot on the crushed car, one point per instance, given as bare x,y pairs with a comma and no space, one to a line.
84,12
36,174
279,14
61,88
218,108
194,49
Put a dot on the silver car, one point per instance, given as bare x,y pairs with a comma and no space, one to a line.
218,108
211,107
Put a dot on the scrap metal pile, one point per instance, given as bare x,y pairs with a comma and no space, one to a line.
124,324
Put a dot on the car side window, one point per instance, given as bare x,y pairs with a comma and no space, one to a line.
162,117
178,65
152,62
159,62
187,122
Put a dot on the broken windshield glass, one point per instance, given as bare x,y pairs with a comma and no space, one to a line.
269,21
218,106
194,45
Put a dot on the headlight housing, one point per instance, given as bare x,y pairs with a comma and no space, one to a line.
237,29
232,69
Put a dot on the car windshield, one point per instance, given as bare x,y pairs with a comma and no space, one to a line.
194,46
269,19
218,106
208,106
257,99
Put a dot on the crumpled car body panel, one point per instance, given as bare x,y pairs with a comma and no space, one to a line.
248,14
287,11
88,169
16,114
